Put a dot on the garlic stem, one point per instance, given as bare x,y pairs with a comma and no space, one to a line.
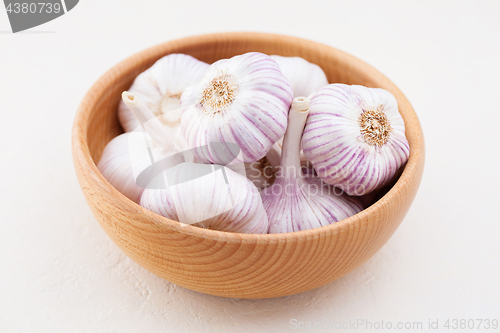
298,201
290,157
148,121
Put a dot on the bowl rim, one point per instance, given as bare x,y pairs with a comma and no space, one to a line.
82,120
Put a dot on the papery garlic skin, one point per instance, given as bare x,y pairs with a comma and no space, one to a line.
161,87
124,158
208,196
297,202
355,137
305,203
241,101
304,77
115,166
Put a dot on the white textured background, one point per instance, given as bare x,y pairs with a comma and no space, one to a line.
59,272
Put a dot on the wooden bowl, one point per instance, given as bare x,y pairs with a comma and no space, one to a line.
232,264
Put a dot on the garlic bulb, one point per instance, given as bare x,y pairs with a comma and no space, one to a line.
241,102
208,196
295,202
161,87
304,77
115,165
128,155
355,137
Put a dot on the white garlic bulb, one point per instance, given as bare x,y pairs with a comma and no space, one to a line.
355,137
161,87
208,196
297,202
241,102
115,165
304,77
130,154
126,156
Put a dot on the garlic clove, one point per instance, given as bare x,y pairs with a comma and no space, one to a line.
161,87
355,137
243,102
296,201
304,77
209,196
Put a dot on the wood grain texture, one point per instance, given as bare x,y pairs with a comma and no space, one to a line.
231,264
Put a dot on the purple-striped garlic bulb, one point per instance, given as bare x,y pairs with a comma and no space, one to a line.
241,102
161,87
355,137
296,201
209,196
304,77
